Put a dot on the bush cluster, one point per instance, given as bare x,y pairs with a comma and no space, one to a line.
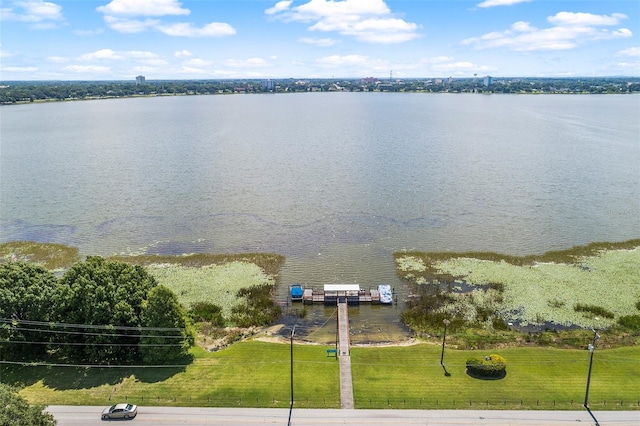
592,309
490,367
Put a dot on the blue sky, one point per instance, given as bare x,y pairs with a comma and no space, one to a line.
213,39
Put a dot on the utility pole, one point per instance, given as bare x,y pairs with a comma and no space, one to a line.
592,349
291,406
446,322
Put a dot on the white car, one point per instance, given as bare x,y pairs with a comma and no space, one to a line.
120,411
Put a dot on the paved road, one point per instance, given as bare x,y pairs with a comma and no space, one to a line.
172,416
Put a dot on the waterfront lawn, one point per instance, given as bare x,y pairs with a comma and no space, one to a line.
257,374
248,374
537,378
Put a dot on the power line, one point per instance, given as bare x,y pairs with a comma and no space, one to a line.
90,326
82,333
45,364
87,344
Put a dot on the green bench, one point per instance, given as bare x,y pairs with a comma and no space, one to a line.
332,352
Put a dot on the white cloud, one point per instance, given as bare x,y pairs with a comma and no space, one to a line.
19,69
112,55
58,59
247,63
99,55
182,54
281,6
569,31
183,29
342,60
192,70
492,3
6,53
130,25
370,21
322,42
86,33
588,19
40,14
437,59
455,66
125,16
91,69
632,51
195,62
143,8
154,62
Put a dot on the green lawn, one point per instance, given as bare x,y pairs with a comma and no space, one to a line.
254,374
257,374
536,378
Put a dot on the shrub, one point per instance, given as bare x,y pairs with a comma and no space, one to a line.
206,312
630,322
257,307
592,309
490,367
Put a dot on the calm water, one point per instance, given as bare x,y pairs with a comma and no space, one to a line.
334,181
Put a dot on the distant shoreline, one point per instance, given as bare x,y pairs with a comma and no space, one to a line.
26,92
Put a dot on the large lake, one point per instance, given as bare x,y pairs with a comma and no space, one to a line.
336,182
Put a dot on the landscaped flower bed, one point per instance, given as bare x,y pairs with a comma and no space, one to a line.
490,367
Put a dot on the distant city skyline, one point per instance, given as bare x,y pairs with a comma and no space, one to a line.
270,39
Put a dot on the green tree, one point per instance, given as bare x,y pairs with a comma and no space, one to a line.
16,411
107,298
26,291
162,310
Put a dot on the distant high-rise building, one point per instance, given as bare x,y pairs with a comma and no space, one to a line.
488,80
140,79
268,84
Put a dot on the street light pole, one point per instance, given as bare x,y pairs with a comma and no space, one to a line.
446,322
291,406
592,349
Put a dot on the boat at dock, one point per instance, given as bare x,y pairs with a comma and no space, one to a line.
296,292
386,295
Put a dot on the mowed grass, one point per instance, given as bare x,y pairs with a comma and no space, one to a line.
249,374
257,374
537,378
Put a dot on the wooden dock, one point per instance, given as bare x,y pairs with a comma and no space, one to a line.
344,351
331,293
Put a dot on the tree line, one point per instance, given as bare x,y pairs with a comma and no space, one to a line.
98,313
24,92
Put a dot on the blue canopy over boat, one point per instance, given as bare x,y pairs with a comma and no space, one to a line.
296,291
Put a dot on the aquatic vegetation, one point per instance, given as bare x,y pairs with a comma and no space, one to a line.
50,256
217,284
592,289
411,263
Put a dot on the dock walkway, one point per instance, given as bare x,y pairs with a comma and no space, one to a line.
346,382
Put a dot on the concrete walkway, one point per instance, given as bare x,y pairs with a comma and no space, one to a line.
346,383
